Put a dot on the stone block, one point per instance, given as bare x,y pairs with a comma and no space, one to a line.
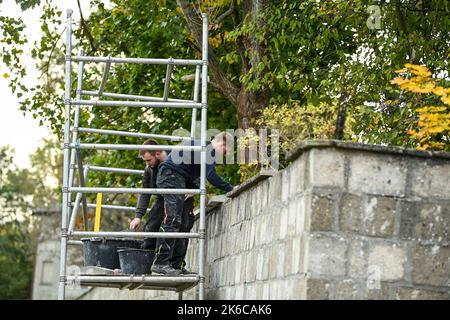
301,212
251,291
431,265
274,228
425,221
296,288
283,222
388,261
274,192
408,293
239,265
292,216
273,261
317,289
285,174
234,212
378,292
350,212
266,290
250,266
231,261
281,259
322,212
298,252
377,174
288,258
327,255
347,289
222,275
326,168
358,258
260,261
430,178
379,217
266,263
239,292
297,176
268,221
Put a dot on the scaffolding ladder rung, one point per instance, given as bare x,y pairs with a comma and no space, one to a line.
152,104
116,170
184,62
75,242
157,147
129,96
113,207
133,134
133,190
133,234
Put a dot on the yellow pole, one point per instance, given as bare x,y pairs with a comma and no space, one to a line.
98,212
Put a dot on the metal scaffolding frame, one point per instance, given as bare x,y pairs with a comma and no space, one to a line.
73,164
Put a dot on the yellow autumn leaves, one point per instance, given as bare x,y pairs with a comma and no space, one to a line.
434,121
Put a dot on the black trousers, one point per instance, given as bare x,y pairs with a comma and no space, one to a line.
173,213
153,224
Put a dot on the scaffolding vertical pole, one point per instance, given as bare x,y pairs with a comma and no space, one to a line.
202,224
76,121
65,189
195,98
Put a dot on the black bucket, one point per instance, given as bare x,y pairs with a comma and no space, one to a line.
135,261
102,252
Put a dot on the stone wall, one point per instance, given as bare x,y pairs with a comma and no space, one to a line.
47,257
343,221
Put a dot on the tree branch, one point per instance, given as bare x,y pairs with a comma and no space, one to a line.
400,18
226,13
220,79
86,30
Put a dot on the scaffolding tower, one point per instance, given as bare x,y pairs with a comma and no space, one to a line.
73,163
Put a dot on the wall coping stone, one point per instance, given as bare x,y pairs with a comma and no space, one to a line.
253,181
309,144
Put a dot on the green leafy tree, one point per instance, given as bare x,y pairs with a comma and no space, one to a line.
264,53
16,256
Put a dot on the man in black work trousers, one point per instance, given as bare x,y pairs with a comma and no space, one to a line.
178,170
156,214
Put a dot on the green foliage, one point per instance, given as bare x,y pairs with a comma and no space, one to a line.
307,52
15,244
316,50
16,261
14,184
297,122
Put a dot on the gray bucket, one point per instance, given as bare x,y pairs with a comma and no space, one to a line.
101,252
135,261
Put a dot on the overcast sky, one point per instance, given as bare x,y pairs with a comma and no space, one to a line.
20,131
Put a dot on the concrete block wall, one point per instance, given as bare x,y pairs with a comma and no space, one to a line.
343,221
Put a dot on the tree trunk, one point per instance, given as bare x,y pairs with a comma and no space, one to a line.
341,117
248,104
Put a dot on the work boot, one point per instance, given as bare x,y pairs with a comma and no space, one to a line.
186,272
165,269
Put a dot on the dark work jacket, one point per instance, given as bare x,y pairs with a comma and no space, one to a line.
187,163
148,181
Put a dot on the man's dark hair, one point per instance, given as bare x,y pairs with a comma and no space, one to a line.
147,143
